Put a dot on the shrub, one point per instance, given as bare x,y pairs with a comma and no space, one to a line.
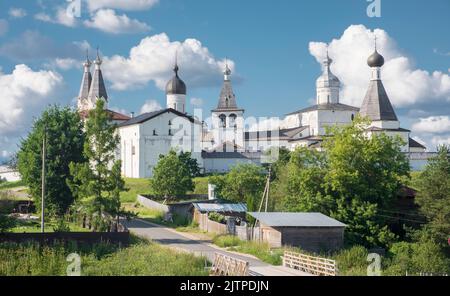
219,218
352,261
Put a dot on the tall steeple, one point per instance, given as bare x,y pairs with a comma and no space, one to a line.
327,85
85,84
227,99
376,105
97,89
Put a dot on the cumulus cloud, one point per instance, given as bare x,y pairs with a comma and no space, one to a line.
405,84
196,102
108,21
121,4
60,17
153,58
23,93
433,124
65,64
150,106
17,12
3,27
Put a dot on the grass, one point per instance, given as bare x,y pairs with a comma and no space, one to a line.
11,185
136,186
35,226
142,186
260,250
140,258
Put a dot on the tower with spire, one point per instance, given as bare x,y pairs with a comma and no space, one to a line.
176,91
85,85
97,90
327,85
377,107
228,118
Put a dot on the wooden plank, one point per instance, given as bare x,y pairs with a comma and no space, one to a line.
228,266
310,264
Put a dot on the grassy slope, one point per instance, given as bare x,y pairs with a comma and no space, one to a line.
10,185
142,186
141,258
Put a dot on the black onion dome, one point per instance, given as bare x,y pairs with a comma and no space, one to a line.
375,60
176,86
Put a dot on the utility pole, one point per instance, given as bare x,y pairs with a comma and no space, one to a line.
43,181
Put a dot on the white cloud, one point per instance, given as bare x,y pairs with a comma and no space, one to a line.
121,4
108,21
17,12
3,27
65,64
432,124
153,58
405,84
150,106
23,94
440,140
61,17
196,102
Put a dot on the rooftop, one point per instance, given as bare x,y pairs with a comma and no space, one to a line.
282,219
330,106
221,208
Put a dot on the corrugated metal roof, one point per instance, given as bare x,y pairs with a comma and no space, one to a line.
278,219
224,208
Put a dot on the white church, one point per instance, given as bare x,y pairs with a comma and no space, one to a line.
227,142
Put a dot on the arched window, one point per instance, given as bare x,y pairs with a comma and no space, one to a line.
223,120
232,119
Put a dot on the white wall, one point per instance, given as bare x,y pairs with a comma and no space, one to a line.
185,136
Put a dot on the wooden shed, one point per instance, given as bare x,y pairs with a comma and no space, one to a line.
310,231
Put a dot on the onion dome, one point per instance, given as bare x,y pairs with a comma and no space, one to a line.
376,60
176,86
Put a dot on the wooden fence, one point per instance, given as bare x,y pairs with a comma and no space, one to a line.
314,265
227,266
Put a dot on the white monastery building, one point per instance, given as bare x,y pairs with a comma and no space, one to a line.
226,142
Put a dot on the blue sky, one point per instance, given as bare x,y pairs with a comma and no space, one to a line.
268,42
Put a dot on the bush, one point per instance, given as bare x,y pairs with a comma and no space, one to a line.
225,241
219,218
352,261
416,258
6,223
61,226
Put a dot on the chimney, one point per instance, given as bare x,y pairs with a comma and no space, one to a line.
132,114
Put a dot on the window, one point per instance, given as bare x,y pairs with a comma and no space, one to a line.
353,117
170,132
170,122
133,150
232,121
223,120
154,132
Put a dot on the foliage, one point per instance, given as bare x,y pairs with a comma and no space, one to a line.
11,184
417,257
244,183
142,258
434,194
217,217
61,226
352,180
171,177
190,163
200,185
100,176
64,144
6,223
257,249
352,261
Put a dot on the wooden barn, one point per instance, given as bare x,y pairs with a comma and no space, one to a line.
310,231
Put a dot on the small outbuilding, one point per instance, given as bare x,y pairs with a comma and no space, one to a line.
313,232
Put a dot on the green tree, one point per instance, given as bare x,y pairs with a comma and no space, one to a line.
302,188
64,144
244,183
171,176
190,163
364,176
434,193
98,180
